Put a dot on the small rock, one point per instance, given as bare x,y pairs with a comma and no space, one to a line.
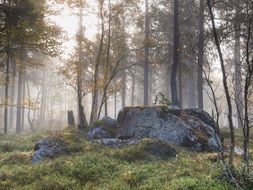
238,151
109,122
46,148
99,133
103,129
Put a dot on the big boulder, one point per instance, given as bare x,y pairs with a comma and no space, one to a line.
192,128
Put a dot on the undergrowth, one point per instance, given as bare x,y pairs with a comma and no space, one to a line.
92,166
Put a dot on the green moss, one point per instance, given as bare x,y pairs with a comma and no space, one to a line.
146,166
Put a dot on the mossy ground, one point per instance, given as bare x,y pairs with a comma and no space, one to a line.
92,166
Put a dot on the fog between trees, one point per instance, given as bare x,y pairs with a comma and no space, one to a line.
139,53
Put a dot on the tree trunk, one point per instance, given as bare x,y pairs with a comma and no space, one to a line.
23,100
123,91
19,99
180,85
201,55
146,50
133,89
173,77
13,85
71,119
30,121
115,100
107,63
225,85
6,90
238,72
43,100
94,108
82,122
150,85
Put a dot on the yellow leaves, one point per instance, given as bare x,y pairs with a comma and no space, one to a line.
31,104
4,101
2,78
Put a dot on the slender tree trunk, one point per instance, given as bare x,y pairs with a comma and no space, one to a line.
107,61
23,100
247,93
238,72
30,121
146,50
82,122
106,106
123,91
125,62
201,55
133,89
94,108
13,85
167,74
225,85
180,84
174,69
115,99
43,100
150,85
6,90
19,99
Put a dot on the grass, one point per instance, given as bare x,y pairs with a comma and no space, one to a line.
146,166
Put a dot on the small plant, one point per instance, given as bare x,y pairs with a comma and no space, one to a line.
160,99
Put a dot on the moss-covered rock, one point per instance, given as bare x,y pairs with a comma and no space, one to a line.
193,129
103,129
59,143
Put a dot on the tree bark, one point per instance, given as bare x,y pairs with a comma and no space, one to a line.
238,71
94,108
201,55
82,122
30,121
71,119
133,89
123,91
115,100
225,85
107,61
6,90
180,85
19,99
12,94
146,51
174,69
43,100
23,100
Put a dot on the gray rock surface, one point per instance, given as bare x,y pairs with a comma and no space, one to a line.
98,132
115,142
107,121
191,128
46,148
103,129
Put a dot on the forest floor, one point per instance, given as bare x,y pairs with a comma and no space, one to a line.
92,166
